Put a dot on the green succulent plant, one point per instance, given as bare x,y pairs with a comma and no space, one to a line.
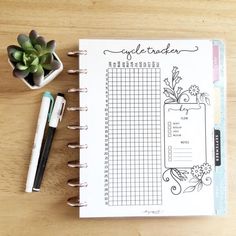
33,58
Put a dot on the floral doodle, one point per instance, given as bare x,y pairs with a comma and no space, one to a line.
197,175
176,94
177,176
198,178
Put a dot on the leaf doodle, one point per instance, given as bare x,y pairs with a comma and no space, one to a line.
189,189
170,100
193,180
207,100
169,91
199,186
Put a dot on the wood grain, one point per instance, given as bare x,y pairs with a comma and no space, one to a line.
66,21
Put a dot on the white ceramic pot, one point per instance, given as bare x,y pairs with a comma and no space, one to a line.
46,79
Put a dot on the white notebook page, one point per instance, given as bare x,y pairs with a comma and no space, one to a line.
150,126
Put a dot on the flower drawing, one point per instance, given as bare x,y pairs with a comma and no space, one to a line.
166,93
173,92
177,80
167,82
206,168
179,90
194,90
176,94
196,171
200,177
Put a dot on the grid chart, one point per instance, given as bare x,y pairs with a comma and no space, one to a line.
134,136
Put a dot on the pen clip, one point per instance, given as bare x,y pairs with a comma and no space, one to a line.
62,109
49,95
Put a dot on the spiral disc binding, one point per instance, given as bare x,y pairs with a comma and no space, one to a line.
77,108
76,164
77,53
78,71
80,90
77,127
75,201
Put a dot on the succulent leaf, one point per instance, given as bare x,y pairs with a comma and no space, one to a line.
10,50
20,73
33,68
38,48
49,58
39,73
47,66
54,65
24,58
41,41
35,62
17,55
42,59
31,50
46,58
24,41
21,66
51,46
33,36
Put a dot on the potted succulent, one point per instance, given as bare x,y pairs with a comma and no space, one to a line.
34,60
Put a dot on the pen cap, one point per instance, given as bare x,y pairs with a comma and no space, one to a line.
58,110
49,95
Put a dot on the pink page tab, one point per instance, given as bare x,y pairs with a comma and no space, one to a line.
216,63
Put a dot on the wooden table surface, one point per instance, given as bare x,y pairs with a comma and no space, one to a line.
46,213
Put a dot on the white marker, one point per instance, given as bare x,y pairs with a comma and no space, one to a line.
44,115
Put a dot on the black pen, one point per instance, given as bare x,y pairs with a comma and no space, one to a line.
56,116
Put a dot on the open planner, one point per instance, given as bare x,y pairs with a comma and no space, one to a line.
152,132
